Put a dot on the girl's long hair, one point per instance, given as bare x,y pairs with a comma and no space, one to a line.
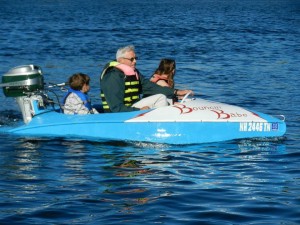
167,67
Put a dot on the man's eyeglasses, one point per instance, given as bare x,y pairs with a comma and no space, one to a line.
131,59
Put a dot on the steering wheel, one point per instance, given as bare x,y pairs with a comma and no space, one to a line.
185,97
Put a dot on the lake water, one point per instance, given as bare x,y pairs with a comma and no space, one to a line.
245,53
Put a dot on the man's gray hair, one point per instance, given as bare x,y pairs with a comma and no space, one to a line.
121,51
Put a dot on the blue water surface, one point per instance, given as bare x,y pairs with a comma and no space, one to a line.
244,53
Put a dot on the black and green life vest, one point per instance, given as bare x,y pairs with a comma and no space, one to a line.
132,84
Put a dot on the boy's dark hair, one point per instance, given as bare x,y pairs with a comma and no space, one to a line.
77,81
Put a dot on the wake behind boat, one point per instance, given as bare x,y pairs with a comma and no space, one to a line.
191,121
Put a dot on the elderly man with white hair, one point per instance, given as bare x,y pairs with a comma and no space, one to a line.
122,85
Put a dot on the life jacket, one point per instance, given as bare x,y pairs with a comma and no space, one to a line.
84,97
156,77
132,84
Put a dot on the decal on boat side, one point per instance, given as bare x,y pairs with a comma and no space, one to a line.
184,109
258,126
221,114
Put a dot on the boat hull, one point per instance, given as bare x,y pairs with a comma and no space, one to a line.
194,121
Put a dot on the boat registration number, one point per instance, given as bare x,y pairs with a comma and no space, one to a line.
258,126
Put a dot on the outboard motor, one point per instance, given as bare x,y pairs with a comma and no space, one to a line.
23,82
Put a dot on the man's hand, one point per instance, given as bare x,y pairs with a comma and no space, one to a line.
145,107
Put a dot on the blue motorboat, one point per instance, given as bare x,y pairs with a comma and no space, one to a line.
191,121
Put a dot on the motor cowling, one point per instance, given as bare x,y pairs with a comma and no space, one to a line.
21,80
